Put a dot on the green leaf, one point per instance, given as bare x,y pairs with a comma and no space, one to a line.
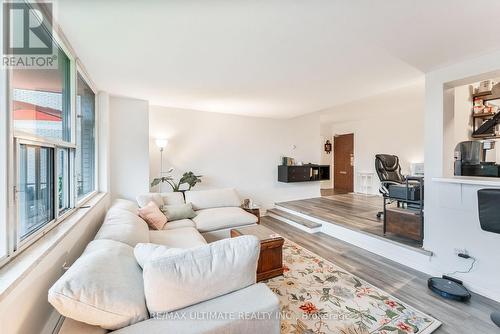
319,280
391,314
357,283
375,297
369,316
389,328
332,279
351,309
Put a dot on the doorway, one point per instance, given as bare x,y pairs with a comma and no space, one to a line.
343,163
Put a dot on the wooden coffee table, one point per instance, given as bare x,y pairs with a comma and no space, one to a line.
271,250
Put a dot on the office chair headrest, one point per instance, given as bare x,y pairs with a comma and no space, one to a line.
390,163
388,168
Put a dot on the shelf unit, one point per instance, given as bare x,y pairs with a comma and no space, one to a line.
304,173
478,119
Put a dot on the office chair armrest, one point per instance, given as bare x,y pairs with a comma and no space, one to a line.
384,187
390,182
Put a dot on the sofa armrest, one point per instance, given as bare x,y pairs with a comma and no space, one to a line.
254,309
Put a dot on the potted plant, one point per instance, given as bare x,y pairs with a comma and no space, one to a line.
188,178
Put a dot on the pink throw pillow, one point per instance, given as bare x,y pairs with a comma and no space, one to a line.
153,216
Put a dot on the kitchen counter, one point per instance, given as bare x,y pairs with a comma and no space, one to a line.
472,180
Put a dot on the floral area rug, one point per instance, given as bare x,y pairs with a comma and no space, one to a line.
316,296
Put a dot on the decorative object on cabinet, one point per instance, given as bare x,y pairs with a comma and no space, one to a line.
287,161
328,147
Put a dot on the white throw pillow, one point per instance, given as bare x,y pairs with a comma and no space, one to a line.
146,252
192,276
103,287
216,198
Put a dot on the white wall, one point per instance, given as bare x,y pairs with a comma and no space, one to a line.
129,142
236,151
451,218
392,122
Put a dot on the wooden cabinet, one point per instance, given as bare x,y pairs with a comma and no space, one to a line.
407,223
303,173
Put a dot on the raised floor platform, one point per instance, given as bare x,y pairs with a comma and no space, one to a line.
352,211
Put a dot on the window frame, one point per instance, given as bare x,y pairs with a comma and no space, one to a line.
14,138
81,71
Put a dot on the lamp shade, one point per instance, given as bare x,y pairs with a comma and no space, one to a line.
161,142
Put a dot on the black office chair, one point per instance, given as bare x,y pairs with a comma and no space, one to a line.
389,172
489,218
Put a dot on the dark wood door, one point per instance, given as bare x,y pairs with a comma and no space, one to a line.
343,162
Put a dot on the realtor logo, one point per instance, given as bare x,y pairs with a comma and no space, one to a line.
27,36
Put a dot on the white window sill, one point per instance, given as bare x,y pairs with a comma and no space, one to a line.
19,267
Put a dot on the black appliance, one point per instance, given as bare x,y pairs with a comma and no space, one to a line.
449,288
470,159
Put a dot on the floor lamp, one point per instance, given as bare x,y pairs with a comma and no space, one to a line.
161,143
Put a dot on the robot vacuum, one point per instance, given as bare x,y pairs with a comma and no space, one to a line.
449,287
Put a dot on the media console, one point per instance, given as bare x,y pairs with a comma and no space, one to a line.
303,173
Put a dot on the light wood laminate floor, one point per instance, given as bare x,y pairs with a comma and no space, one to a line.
402,282
354,211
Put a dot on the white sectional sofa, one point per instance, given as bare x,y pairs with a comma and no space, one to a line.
108,273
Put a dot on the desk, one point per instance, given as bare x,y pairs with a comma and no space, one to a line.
407,219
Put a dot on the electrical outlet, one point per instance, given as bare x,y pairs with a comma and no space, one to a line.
461,251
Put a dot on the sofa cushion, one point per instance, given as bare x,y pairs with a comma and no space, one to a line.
254,309
216,198
125,205
219,218
184,237
199,274
146,252
124,226
160,199
178,211
153,216
103,287
178,224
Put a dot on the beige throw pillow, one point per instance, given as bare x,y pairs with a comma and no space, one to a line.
153,216
178,211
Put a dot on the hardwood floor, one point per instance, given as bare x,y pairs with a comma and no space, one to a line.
402,282
332,191
354,211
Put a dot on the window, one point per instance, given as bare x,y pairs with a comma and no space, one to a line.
53,170
41,116
41,101
85,139
36,184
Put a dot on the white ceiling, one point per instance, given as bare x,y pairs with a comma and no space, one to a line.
271,58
